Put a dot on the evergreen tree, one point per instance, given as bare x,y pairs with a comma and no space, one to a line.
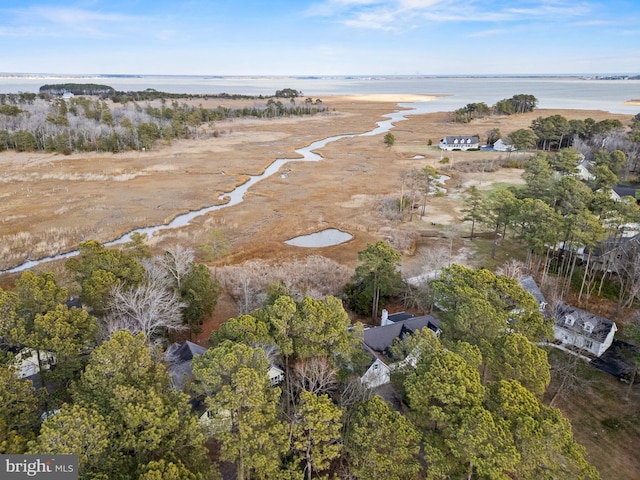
376,278
242,405
370,452
315,432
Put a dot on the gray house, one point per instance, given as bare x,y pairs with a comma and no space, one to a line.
583,330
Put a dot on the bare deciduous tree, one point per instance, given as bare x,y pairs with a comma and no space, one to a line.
353,393
315,375
155,273
177,260
513,268
314,276
434,258
627,266
149,309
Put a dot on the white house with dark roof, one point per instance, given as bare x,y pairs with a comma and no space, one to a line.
377,340
179,357
460,142
583,330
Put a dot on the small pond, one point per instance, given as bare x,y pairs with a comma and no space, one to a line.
324,238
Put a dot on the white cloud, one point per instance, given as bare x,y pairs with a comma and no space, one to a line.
43,21
390,14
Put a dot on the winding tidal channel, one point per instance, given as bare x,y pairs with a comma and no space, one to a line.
237,195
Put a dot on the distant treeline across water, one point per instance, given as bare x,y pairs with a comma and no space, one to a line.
587,92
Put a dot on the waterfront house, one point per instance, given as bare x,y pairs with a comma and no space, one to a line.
460,142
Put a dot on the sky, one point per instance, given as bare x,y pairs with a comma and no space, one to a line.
320,37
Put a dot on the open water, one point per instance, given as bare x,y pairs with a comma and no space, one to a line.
552,92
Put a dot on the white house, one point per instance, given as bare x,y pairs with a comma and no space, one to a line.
276,375
501,146
377,340
26,362
179,357
377,374
583,330
583,171
460,142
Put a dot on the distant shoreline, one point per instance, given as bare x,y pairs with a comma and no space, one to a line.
386,97
584,76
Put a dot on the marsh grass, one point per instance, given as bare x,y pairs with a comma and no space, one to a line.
23,246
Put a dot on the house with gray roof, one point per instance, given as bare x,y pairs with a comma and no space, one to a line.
501,146
583,330
459,142
377,340
178,357
529,284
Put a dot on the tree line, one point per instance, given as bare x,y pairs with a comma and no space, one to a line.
521,103
563,222
469,400
116,96
54,124
556,132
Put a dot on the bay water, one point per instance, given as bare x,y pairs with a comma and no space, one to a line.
571,92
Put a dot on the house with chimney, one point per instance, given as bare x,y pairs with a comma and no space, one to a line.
378,340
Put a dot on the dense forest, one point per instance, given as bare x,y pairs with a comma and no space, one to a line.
118,121
469,399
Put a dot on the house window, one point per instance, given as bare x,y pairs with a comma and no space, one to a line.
588,327
570,320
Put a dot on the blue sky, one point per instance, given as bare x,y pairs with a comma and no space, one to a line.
320,37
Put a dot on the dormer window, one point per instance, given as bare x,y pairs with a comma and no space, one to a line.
570,320
588,327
